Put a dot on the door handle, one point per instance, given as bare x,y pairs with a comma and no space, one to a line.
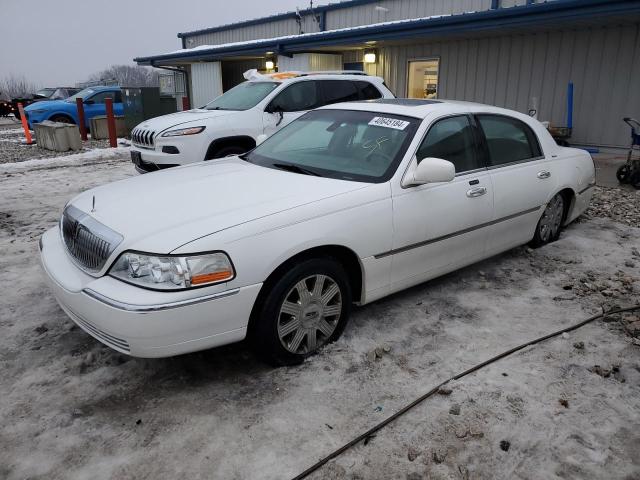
476,192
544,174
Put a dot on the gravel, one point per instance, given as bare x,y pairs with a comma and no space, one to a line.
619,204
13,150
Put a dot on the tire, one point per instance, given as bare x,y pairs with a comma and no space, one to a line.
62,119
228,151
550,223
634,179
623,173
289,324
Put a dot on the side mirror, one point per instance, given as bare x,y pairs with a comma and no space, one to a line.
260,138
432,170
273,108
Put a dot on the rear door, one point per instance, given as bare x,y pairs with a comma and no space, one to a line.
293,101
439,226
522,176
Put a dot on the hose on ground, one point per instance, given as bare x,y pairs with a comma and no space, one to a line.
369,433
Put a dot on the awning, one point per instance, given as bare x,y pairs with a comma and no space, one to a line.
556,13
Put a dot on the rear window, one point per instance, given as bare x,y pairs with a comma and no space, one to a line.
509,140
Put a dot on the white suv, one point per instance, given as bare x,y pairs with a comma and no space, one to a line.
232,123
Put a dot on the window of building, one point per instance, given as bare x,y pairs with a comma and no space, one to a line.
451,139
508,139
423,78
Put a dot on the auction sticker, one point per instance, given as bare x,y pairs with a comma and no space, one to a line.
389,123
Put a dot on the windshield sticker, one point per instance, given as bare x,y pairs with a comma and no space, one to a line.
389,123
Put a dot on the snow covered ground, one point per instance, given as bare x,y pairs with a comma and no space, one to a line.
73,409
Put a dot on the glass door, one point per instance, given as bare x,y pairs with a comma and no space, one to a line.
423,78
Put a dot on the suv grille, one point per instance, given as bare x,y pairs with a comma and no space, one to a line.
142,138
89,242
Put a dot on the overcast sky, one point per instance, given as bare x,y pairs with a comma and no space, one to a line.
58,43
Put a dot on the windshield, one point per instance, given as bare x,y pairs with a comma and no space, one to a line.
83,94
344,144
242,97
45,92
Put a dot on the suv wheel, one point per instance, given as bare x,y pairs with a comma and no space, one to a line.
305,309
228,151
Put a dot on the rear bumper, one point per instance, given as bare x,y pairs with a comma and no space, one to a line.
157,324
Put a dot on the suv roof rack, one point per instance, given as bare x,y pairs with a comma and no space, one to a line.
334,72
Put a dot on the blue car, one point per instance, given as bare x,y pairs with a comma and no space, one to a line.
66,110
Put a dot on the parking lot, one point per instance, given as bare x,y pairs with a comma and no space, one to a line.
567,408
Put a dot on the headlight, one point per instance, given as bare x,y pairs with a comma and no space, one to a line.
183,131
172,272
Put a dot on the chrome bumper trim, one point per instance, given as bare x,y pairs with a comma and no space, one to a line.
154,308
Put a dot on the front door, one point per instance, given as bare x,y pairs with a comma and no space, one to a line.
440,226
289,104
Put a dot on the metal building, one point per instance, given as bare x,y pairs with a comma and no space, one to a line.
520,54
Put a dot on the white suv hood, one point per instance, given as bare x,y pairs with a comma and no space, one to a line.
158,124
160,211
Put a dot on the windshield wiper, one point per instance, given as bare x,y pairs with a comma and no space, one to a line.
295,169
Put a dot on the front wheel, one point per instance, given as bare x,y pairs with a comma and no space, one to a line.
305,309
550,224
62,119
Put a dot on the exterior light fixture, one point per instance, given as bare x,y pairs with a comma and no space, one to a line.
269,64
370,56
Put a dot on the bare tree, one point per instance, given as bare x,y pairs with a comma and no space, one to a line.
14,86
128,76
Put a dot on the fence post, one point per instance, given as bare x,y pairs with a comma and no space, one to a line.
81,124
25,125
111,122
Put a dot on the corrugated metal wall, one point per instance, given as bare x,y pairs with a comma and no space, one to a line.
382,11
206,82
508,71
310,62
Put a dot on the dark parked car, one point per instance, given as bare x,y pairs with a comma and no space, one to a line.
52,93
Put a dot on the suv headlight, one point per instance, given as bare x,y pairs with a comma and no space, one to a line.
183,131
160,272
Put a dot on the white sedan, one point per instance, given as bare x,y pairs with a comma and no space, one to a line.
345,205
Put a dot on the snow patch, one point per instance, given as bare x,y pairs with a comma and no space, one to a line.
94,155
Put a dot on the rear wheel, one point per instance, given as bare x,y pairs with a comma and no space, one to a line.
622,174
634,179
62,119
550,224
305,309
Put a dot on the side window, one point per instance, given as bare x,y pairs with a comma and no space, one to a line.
336,91
298,97
99,97
117,96
508,139
367,91
451,139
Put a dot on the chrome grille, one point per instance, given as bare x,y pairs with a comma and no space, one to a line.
142,138
89,242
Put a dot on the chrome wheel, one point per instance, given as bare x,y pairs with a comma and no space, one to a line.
309,314
551,219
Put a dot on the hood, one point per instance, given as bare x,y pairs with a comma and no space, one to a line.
159,124
43,104
161,211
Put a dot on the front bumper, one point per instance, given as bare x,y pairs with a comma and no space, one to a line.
140,322
155,159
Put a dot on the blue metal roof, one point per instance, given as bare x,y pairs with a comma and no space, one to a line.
559,12
279,16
